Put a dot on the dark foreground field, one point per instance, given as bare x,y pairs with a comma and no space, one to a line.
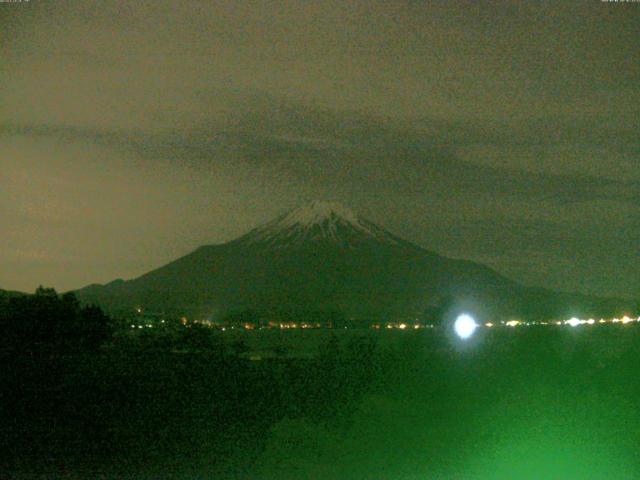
536,403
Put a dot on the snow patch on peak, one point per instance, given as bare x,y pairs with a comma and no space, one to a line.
316,221
316,213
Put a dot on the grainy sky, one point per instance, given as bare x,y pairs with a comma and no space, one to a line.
132,132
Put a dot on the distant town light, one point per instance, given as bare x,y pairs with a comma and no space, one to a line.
488,324
464,326
513,323
574,322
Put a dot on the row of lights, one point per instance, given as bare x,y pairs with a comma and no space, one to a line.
574,322
465,325
148,325
401,326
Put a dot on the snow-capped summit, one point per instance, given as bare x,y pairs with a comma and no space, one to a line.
316,213
318,221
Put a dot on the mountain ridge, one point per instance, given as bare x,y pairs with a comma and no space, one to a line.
322,256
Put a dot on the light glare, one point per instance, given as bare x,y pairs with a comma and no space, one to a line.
464,326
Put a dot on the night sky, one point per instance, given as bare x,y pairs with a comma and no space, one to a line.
133,132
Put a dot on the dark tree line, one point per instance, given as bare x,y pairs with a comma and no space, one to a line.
180,393
47,321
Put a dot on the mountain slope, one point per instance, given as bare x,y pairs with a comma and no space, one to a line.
319,257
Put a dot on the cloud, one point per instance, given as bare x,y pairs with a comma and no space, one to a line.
174,124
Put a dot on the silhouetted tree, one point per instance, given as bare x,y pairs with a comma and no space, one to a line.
47,321
239,347
94,327
198,338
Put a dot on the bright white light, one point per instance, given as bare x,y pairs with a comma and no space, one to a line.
464,326
574,322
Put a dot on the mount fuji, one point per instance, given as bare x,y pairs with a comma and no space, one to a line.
323,257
